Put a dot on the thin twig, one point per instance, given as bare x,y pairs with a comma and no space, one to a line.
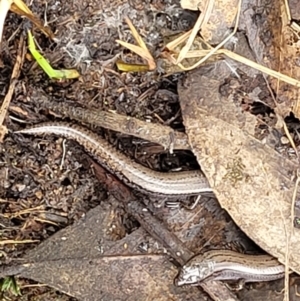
252,64
13,81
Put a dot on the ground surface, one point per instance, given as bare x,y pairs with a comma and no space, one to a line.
41,193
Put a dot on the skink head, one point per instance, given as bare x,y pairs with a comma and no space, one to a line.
192,273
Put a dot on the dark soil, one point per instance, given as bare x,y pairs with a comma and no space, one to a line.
47,183
41,193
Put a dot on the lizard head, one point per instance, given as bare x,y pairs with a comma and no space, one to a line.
194,272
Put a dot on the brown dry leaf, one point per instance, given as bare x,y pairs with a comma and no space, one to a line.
121,277
276,46
291,48
83,261
252,181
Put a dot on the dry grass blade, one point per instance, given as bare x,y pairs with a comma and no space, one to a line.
11,241
261,68
173,44
140,50
287,10
214,50
14,76
203,18
122,66
19,4
136,35
243,60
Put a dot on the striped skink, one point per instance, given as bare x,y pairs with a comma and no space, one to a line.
127,170
229,265
217,265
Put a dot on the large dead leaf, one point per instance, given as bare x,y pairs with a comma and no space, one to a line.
84,262
251,180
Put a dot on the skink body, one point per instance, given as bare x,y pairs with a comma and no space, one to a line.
229,265
132,173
